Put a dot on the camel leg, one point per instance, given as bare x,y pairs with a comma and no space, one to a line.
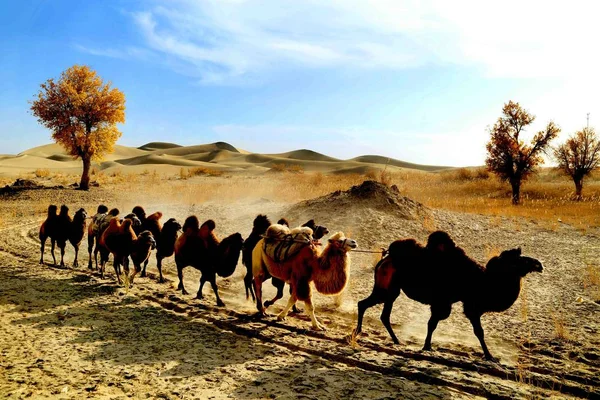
136,268
287,308
203,280
43,241
213,283
258,280
248,284
96,250
387,311
117,269
439,312
310,309
90,250
62,253
374,298
159,259
143,274
301,290
180,276
478,330
52,242
75,262
279,284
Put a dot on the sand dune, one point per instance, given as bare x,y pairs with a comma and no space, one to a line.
170,158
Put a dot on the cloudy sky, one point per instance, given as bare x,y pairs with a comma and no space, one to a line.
415,80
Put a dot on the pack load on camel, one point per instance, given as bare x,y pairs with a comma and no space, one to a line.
280,243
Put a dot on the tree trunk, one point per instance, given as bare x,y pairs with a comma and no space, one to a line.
84,184
578,188
516,192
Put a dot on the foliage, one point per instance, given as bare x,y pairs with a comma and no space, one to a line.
82,112
579,156
508,156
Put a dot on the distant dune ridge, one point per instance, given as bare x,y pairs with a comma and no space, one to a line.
170,157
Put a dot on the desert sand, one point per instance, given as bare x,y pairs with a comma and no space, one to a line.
66,333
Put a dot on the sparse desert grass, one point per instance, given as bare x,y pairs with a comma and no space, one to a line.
41,173
591,280
561,331
545,198
293,168
186,173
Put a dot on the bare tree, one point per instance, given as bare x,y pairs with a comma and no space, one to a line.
578,157
508,156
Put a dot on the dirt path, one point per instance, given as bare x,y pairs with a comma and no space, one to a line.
67,333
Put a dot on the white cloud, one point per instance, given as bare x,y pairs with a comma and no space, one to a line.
227,40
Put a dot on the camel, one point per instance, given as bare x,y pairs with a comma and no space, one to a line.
199,248
329,271
441,274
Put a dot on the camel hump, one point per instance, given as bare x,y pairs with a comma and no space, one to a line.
155,216
207,228
277,230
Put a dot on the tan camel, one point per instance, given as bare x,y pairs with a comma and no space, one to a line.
328,270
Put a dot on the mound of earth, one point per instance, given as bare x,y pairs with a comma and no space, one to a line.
369,194
25,184
158,146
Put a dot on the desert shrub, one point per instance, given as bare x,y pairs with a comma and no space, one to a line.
41,173
282,167
205,171
371,175
385,177
184,173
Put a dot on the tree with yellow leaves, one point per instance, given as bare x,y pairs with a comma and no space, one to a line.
82,112
508,156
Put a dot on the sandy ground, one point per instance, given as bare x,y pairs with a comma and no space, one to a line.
66,333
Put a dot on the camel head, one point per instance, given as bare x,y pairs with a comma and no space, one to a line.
172,225
102,209
139,212
261,223
512,261
283,221
319,231
81,214
52,210
146,238
135,221
340,241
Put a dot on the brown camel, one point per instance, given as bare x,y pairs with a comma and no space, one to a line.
328,271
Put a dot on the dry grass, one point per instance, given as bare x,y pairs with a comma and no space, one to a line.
292,168
41,173
546,198
591,280
561,331
185,173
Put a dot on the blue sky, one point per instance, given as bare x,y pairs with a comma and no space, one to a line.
414,80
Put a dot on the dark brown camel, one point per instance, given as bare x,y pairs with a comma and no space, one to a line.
259,227
60,229
165,244
440,275
198,247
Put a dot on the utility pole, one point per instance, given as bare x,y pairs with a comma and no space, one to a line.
588,120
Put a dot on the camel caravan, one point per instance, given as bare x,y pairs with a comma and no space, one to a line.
437,274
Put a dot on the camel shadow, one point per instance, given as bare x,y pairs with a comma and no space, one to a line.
37,293
312,377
